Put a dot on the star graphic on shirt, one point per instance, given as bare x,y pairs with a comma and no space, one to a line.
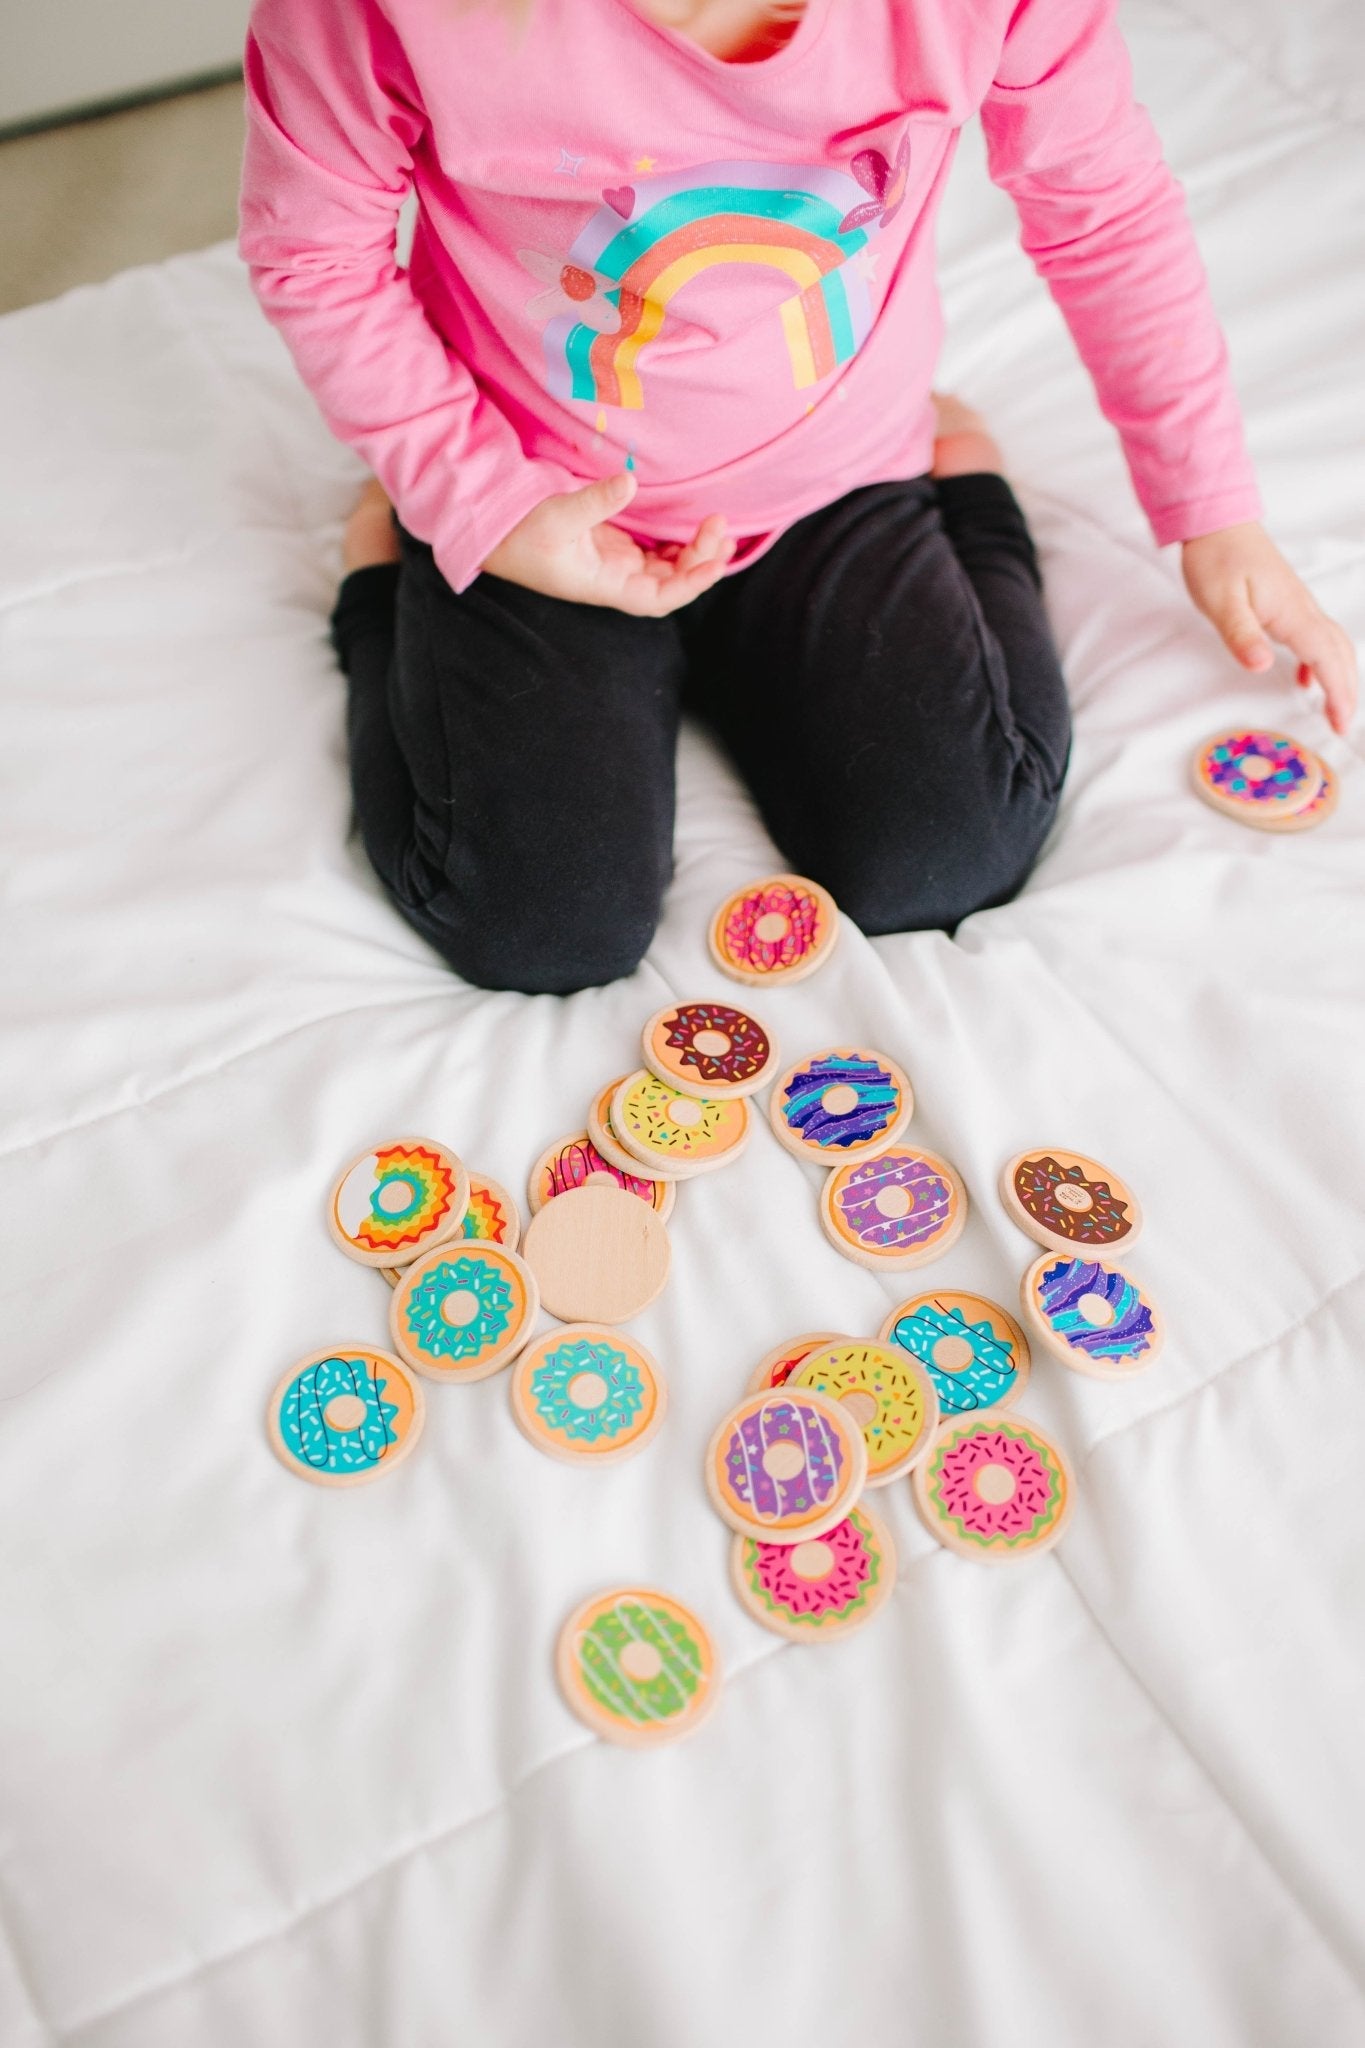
865,262
643,163
568,166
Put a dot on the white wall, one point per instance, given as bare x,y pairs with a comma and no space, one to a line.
57,55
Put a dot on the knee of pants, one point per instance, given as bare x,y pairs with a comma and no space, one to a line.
891,875
501,948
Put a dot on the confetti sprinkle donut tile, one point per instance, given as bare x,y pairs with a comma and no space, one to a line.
778,929
823,1587
1314,813
686,1134
1256,776
464,1311
886,1393
343,1417
637,1667
972,1349
1092,1316
573,1161
398,1200
709,1049
1067,1202
901,1208
786,1466
776,1367
610,1146
845,1103
994,1488
587,1395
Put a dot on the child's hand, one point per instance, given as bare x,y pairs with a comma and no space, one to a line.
567,547
1240,580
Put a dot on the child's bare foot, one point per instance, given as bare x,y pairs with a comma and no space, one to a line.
963,444
370,535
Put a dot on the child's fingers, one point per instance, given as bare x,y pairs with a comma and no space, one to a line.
1324,651
1241,630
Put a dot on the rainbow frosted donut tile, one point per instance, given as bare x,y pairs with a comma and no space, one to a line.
901,1208
822,1587
994,1488
778,929
1256,776
709,1049
974,1352
844,1103
571,1161
1067,1201
784,1466
397,1201
463,1311
587,1395
1092,1316
343,1417
885,1392
637,1667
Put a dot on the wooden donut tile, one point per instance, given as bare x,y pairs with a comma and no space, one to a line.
786,1465
1069,1202
994,1488
689,1134
588,1396
843,1103
824,1587
598,1254
1314,813
346,1416
463,1312
901,1208
637,1667
1252,775
887,1393
610,1146
710,1049
396,1200
776,1367
573,1161
1092,1315
778,929
491,1217
974,1351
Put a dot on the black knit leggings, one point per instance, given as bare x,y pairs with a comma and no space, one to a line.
884,678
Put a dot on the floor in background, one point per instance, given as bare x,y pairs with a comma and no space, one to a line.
81,202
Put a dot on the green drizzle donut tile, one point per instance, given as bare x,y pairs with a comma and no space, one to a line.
685,1134
464,1311
588,1395
994,1488
637,1667
779,929
776,1367
346,1416
973,1350
824,1587
885,1391
398,1200
1092,1316
709,1049
1067,1201
840,1104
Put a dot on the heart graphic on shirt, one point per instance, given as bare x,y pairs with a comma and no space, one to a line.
621,199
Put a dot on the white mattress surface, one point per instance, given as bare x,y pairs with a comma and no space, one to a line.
285,1768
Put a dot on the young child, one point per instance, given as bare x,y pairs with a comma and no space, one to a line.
652,408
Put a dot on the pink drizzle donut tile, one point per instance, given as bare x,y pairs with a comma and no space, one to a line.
571,1161
778,929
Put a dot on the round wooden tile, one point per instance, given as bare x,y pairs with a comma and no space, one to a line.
1091,1316
587,1395
845,1103
778,929
887,1394
464,1311
609,1144
973,1350
709,1049
1314,813
1069,1202
902,1208
786,1466
346,1416
398,1200
492,1216
687,1134
823,1587
575,1160
994,1487
598,1254
1252,776
776,1367
637,1666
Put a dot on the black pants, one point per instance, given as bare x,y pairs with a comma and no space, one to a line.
884,677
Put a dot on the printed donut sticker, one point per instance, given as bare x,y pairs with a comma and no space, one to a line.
994,1487
821,1587
343,1417
786,1465
686,1133
1093,1316
576,1159
396,1202
637,1667
900,1208
589,1394
885,1393
463,1311
1064,1199
774,930
841,1104
709,1049
974,1352
1257,774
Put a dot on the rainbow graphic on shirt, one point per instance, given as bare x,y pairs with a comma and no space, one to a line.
649,240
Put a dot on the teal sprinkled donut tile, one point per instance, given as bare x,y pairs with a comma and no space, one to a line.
464,1311
346,1416
1092,1316
588,1395
843,1103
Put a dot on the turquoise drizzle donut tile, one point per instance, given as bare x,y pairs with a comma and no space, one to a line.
973,1350
345,1416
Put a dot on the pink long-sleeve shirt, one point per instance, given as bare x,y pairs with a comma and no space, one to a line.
722,274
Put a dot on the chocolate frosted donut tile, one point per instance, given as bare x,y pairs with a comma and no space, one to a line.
709,1049
1069,1202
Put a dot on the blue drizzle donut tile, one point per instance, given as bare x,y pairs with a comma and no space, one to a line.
844,1103
973,1350
343,1417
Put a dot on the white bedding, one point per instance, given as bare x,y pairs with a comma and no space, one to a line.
284,1768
